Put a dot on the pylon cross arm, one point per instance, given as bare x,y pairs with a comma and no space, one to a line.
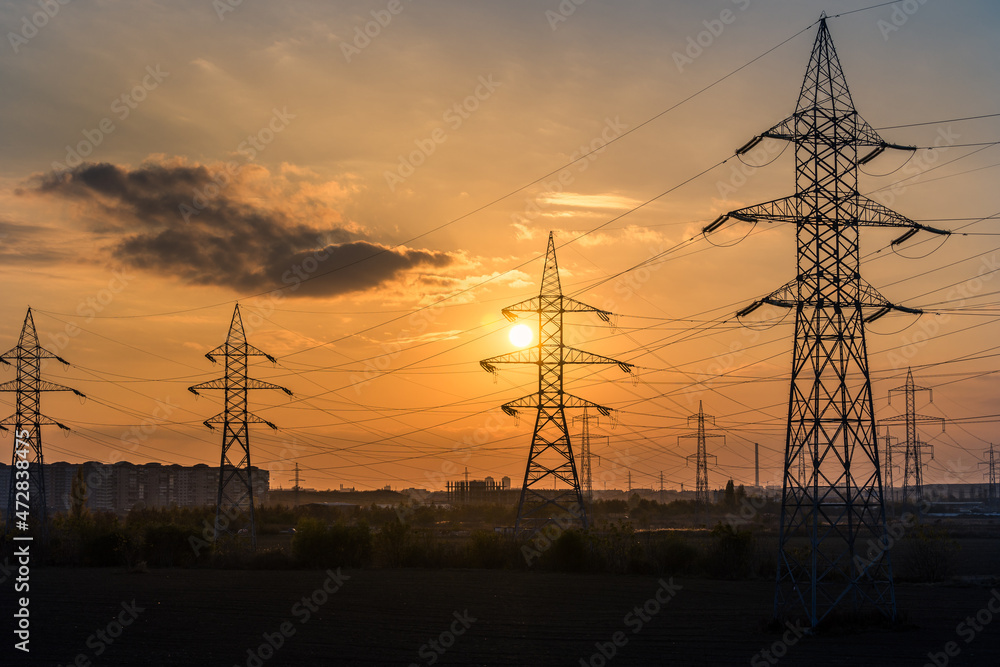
14,420
248,416
217,383
570,305
571,355
528,356
252,383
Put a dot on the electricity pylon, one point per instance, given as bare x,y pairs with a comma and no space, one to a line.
887,467
586,442
837,506
234,509
27,422
701,454
914,448
551,454
992,490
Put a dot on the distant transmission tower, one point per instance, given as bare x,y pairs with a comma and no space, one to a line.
298,485
837,504
701,455
887,467
234,509
588,480
551,454
992,467
914,448
27,422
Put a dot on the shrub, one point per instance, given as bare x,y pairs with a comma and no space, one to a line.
731,553
318,545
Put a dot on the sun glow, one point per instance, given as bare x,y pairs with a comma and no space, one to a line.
521,335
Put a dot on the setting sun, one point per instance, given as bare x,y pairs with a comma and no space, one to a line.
521,335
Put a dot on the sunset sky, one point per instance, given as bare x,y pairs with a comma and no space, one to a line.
161,161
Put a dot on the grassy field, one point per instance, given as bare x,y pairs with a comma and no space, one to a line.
388,617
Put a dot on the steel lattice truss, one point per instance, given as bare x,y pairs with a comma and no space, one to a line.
835,505
234,508
913,448
27,421
701,454
550,461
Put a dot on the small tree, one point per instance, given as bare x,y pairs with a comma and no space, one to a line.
729,497
78,496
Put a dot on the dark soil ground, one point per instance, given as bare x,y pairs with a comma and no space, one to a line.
384,617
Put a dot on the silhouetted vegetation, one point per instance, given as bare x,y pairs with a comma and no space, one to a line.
637,536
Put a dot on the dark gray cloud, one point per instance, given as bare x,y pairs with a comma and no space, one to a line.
161,219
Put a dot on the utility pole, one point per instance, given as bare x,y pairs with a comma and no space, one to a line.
913,464
27,420
832,484
586,452
992,490
551,453
298,485
234,508
701,454
661,487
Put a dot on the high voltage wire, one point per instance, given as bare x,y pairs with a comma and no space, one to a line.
614,219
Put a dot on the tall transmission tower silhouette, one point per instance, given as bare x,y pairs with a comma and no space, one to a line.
701,454
586,452
836,503
913,447
551,455
234,509
28,421
992,466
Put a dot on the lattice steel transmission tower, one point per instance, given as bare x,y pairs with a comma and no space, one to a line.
992,488
551,456
586,452
701,454
837,505
28,357
913,447
234,509
887,466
